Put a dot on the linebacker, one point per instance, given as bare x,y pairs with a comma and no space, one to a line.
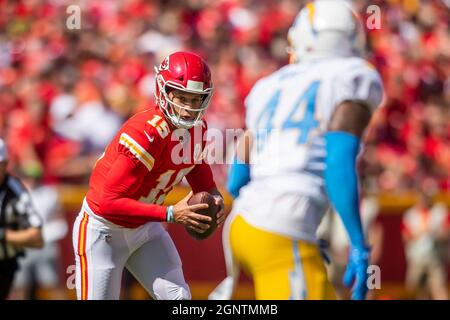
304,126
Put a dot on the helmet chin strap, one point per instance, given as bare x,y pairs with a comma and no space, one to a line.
167,107
175,117
185,124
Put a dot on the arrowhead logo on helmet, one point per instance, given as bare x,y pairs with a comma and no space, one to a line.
187,72
165,64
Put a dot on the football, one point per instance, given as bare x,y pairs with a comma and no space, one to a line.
204,197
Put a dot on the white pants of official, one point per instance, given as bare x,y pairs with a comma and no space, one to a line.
103,250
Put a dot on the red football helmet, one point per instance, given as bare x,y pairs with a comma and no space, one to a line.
187,72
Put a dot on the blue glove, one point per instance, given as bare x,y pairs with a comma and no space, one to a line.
356,272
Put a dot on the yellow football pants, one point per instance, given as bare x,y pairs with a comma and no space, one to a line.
281,268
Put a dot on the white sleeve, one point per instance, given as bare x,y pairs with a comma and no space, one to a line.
250,103
28,216
360,82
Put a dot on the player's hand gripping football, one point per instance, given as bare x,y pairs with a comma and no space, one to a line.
221,213
356,272
185,215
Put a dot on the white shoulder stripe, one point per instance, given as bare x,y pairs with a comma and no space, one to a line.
137,150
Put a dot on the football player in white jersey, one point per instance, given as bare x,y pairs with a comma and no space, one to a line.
305,123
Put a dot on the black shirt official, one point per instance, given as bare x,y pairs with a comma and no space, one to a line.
20,225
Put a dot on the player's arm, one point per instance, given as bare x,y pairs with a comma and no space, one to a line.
239,171
409,233
29,233
219,202
345,130
443,233
28,238
124,178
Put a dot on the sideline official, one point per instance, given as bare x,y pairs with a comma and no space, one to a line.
20,225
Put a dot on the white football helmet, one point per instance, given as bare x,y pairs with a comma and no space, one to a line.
326,28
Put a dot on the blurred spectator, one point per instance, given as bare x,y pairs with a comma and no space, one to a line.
334,239
412,52
426,231
57,83
63,92
72,88
85,124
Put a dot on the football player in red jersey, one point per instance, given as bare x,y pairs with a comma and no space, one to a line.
119,224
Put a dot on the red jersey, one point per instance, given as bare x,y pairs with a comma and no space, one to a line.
142,164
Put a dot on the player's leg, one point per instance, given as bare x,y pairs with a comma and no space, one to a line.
157,266
437,281
335,272
281,268
226,288
7,270
255,251
47,273
23,278
100,256
414,278
307,257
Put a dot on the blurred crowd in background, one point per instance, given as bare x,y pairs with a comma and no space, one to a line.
56,84
64,93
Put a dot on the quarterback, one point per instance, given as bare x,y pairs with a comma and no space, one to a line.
304,128
119,223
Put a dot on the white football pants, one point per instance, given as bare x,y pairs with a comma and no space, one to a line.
103,249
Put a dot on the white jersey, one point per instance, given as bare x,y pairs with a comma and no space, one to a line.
288,114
